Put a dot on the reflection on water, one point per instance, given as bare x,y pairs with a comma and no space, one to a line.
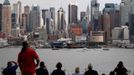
103,61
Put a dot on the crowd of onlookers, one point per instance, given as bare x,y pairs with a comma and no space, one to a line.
28,61
42,70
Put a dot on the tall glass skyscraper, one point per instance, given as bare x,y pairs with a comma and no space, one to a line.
72,14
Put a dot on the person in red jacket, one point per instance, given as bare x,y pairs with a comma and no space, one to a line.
26,60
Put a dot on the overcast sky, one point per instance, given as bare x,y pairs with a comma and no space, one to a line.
44,4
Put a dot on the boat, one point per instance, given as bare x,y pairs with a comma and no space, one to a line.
105,49
57,44
3,43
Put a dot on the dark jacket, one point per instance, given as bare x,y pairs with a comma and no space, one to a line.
42,71
10,70
58,72
91,72
121,71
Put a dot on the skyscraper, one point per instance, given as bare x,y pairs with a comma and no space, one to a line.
131,27
88,13
52,11
35,17
82,15
61,22
107,26
44,15
26,18
61,19
94,14
17,10
72,14
125,10
110,9
53,25
0,17
6,18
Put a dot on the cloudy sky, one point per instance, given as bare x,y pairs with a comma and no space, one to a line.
44,4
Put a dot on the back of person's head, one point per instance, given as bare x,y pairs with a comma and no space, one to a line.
120,64
103,73
24,46
42,64
77,70
90,66
59,65
112,73
9,64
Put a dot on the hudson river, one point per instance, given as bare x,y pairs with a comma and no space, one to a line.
102,61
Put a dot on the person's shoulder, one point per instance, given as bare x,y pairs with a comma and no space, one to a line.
77,74
95,72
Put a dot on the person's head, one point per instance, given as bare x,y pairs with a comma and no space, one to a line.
42,64
77,70
9,64
103,73
59,65
120,64
90,66
24,46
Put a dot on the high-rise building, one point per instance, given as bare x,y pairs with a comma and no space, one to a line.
44,15
14,20
53,25
120,35
72,14
24,23
88,14
17,10
82,15
114,12
0,17
95,14
125,10
35,17
26,9
48,21
117,16
6,18
131,27
48,16
107,27
26,18
61,18
84,25
52,11
61,22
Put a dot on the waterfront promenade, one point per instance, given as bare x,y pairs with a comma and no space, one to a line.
103,61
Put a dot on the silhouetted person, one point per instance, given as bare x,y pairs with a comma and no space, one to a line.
120,69
42,70
26,60
103,74
58,71
77,71
90,71
112,73
10,69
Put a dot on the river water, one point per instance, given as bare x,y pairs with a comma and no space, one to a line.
102,61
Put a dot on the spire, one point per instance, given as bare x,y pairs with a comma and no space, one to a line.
6,2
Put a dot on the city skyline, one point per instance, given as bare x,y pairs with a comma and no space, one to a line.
46,4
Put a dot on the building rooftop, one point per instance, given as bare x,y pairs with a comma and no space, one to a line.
6,2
